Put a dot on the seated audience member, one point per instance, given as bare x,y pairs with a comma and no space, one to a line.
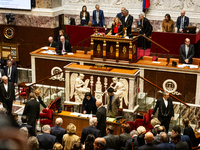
46,140
155,123
98,17
100,143
1,62
77,146
125,135
190,132
57,146
11,73
61,33
149,145
133,140
164,145
156,140
84,16
182,22
64,45
52,43
141,134
58,131
117,27
184,138
90,130
70,138
146,29
89,104
120,15
179,145
168,24
29,127
33,143
89,142
12,60
24,131
112,141
38,98
187,52
127,21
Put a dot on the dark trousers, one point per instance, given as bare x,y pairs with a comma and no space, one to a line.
8,106
166,125
84,22
32,122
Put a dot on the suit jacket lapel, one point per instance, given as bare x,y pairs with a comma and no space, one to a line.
163,103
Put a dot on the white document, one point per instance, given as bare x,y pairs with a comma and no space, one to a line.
70,53
156,62
45,48
194,66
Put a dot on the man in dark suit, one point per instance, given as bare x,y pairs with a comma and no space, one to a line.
146,29
64,45
182,22
32,111
156,140
46,140
187,52
127,21
112,141
164,145
166,110
98,17
7,94
179,145
101,117
133,141
120,15
52,43
11,73
58,131
100,144
90,130
29,127
113,103
1,62
149,145
2,73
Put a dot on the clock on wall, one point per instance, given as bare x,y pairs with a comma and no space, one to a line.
9,32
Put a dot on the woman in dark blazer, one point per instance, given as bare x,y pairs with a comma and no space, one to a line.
84,16
117,28
190,132
89,104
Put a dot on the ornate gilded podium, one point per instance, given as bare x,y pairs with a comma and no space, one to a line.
113,47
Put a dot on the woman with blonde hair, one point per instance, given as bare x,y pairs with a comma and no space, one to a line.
117,28
38,97
70,138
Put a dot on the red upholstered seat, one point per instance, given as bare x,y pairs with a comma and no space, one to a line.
139,122
23,94
132,124
43,115
45,121
150,112
44,110
50,114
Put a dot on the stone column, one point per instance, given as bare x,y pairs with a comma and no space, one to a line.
67,86
33,69
197,100
141,80
131,94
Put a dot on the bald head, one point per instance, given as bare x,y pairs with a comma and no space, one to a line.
98,103
99,143
187,41
182,13
122,9
50,39
149,137
62,39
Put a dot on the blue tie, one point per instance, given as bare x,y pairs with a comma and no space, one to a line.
110,103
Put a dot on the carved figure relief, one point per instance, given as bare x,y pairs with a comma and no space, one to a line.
78,87
59,77
121,89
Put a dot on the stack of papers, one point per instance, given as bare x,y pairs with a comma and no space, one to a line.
111,119
190,66
49,52
156,62
45,48
70,53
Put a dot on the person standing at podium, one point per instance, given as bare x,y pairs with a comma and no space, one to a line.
187,52
89,104
168,24
146,29
182,22
84,16
64,45
127,21
98,17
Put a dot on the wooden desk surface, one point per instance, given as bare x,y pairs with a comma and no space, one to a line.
81,123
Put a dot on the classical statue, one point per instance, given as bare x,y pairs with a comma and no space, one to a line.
78,87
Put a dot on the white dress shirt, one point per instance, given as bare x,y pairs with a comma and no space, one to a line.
126,18
6,87
9,71
186,50
83,18
165,101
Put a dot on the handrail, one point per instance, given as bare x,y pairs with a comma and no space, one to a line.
46,78
82,41
163,90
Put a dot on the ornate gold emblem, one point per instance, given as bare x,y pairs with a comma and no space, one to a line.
111,49
124,50
134,49
98,48
9,32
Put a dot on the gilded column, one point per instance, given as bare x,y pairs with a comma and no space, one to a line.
104,50
92,49
130,52
117,51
